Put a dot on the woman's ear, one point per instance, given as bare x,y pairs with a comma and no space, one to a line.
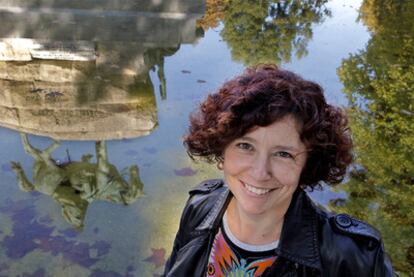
220,162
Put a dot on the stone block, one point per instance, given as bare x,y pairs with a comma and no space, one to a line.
15,49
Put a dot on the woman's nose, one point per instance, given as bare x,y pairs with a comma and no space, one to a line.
261,169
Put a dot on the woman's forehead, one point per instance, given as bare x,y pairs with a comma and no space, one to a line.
282,133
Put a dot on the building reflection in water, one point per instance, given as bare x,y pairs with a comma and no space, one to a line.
81,71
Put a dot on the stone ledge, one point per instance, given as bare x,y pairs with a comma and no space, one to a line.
24,49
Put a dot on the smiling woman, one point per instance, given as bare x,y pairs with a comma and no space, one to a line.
273,135
262,174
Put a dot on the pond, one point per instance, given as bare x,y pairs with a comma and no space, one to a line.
95,97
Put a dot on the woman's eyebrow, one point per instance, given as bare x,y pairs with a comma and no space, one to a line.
288,147
278,146
247,138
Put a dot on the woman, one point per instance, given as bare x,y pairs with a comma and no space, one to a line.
273,135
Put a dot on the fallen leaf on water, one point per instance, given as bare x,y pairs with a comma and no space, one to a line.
157,258
185,171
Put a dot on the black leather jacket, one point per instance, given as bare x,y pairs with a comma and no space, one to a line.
312,242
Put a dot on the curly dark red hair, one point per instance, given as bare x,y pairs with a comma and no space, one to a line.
261,96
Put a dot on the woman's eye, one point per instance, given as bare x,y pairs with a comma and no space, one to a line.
283,154
244,146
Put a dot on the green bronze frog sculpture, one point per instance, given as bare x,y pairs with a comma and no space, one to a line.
75,184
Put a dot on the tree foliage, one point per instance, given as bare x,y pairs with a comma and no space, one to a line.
266,31
215,10
270,31
379,83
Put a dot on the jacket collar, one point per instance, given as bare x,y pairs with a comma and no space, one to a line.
299,238
213,218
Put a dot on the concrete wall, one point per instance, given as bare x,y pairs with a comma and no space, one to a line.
168,6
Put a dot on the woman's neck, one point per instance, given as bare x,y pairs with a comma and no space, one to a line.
254,229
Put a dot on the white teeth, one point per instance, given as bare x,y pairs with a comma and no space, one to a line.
256,190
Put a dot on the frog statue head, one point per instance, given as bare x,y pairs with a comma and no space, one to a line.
75,184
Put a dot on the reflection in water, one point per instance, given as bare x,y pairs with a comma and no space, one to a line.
51,108
73,71
379,84
75,184
81,70
270,31
118,74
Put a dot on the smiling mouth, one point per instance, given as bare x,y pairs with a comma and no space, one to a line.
256,190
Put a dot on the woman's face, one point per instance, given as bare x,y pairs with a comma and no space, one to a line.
262,168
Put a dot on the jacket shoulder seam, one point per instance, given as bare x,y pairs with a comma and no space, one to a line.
352,226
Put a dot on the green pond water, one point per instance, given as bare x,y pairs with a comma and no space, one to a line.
95,98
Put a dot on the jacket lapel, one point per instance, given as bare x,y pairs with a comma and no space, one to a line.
299,238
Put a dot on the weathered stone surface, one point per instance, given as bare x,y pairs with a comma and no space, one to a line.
23,49
51,71
17,49
53,110
64,50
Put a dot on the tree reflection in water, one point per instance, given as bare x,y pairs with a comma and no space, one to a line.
379,83
266,32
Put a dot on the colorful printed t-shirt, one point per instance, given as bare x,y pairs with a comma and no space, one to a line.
231,257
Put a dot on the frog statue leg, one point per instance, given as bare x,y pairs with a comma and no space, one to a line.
102,171
110,184
107,176
22,181
136,187
38,155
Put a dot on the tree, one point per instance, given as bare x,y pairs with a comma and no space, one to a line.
379,83
269,31
215,10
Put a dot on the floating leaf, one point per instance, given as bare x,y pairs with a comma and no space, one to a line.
157,258
185,171
29,234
